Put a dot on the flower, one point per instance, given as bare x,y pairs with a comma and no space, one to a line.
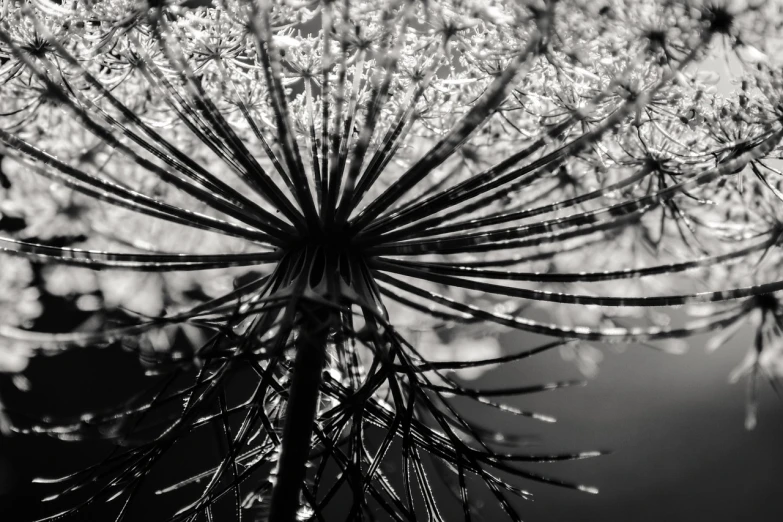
361,197
765,358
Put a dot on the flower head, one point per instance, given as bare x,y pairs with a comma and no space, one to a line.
405,180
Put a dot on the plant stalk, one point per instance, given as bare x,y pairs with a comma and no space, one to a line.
301,411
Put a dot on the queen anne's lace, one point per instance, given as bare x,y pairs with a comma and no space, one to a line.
378,189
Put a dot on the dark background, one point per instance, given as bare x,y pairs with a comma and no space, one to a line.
680,450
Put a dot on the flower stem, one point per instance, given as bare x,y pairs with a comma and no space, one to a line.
302,408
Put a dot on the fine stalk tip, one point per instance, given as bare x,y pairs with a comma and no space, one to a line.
591,454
